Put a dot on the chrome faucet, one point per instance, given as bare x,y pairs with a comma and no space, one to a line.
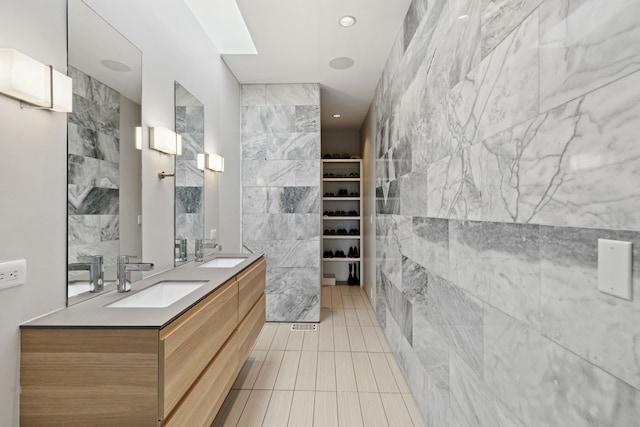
124,269
93,264
205,243
180,249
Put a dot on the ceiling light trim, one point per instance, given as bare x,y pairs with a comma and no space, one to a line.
347,21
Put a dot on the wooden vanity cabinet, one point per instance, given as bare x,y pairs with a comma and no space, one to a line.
178,375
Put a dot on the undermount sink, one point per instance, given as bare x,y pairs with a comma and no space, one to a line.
223,262
160,295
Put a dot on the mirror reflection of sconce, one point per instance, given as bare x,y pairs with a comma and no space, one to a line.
165,141
35,84
212,162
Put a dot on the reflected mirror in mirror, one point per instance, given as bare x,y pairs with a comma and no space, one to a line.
189,195
103,165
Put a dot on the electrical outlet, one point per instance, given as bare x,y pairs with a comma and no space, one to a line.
13,273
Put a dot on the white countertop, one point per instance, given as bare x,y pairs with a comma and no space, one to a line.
94,313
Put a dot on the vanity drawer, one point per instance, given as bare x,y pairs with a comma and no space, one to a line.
203,401
251,284
250,328
189,343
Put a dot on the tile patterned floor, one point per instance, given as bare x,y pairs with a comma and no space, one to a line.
342,375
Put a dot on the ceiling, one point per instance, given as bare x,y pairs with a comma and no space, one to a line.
296,39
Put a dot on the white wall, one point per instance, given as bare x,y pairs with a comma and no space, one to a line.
33,181
175,48
340,141
33,164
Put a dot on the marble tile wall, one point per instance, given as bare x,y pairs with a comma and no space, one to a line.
281,194
506,141
189,180
93,171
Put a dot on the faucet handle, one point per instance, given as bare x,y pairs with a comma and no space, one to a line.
90,258
124,259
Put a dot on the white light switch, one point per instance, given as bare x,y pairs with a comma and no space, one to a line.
614,268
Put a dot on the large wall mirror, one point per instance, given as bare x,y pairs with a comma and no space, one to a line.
104,166
189,199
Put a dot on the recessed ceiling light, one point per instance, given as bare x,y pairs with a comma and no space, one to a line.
337,116
347,21
341,63
115,65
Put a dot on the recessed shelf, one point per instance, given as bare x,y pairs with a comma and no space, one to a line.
341,218
341,259
337,199
341,179
341,160
336,237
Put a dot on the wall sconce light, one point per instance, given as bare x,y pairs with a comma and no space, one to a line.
138,137
165,141
212,162
33,83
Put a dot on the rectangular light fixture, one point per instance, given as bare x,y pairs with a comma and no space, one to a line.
165,140
138,138
212,162
216,163
28,80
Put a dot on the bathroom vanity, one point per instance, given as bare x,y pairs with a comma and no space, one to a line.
106,363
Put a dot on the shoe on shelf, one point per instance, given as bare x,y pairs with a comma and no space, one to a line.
340,254
328,175
354,175
329,195
345,156
328,254
354,232
335,156
353,213
350,254
342,232
326,156
356,254
354,194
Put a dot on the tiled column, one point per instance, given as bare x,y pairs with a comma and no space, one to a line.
281,194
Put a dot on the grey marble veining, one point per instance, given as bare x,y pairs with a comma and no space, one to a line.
501,17
254,95
82,229
457,317
498,263
507,81
545,385
472,401
293,281
189,199
293,308
302,200
254,200
269,119
400,307
579,317
520,119
293,146
281,193
556,169
92,201
307,173
431,349
431,245
109,227
192,145
276,173
188,174
584,45
287,94
254,146
453,189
